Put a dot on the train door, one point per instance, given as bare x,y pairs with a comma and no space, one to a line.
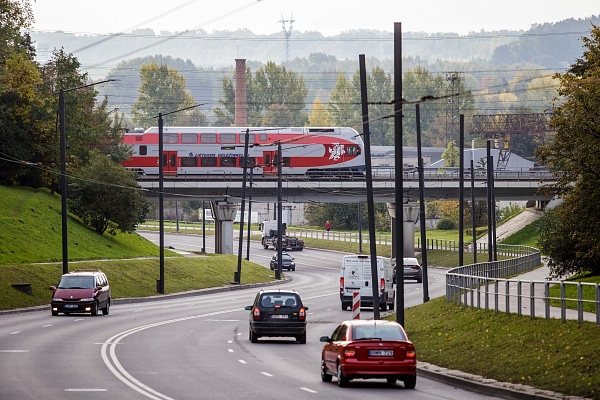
169,162
269,162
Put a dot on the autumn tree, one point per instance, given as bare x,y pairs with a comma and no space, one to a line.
569,235
319,115
451,155
163,90
343,106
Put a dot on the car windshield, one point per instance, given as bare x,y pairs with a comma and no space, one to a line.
76,282
376,332
277,300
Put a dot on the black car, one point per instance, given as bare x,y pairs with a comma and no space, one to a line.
287,262
277,313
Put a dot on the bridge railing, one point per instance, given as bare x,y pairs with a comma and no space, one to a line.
489,285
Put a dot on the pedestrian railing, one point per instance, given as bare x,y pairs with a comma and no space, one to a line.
490,285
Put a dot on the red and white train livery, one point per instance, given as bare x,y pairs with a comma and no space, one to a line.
216,150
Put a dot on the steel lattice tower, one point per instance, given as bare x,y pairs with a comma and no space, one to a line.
287,33
452,104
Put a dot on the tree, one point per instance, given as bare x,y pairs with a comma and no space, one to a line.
319,116
451,155
573,155
344,104
163,90
106,197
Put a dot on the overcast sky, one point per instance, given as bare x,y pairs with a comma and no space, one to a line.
329,17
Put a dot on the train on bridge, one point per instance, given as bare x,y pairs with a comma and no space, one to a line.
312,152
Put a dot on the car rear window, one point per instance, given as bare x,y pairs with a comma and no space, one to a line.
372,332
279,300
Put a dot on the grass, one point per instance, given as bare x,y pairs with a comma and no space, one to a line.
547,355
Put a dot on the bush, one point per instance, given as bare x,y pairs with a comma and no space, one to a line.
446,224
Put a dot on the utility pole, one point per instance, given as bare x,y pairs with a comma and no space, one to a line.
287,33
279,212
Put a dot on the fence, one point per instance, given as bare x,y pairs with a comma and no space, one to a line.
477,285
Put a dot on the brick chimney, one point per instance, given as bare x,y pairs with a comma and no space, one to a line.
241,118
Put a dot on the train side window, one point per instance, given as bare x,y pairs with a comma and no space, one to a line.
352,150
251,138
251,162
228,161
208,161
170,138
228,137
263,137
286,161
189,138
189,162
208,138
143,150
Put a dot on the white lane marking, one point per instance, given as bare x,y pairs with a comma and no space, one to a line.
85,390
229,341
329,309
308,390
15,332
137,310
78,319
14,351
111,361
230,350
242,362
267,374
222,320
45,326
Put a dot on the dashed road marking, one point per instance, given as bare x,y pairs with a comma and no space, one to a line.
267,374
15,332
308,390
242,362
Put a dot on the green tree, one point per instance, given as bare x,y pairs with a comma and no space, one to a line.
344,104
451,155
106,197
163,90
277,115
574,157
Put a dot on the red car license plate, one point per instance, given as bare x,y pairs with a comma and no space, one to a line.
385,353
280,316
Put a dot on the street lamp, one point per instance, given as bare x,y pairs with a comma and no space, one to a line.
63,167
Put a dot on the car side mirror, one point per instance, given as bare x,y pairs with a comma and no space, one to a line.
53,288
325,339
248,308
305,308
97,288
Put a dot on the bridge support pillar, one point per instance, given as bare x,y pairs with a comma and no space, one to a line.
410,213
224,215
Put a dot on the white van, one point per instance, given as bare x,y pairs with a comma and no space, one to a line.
356,276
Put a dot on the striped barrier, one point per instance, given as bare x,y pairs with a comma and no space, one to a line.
356,305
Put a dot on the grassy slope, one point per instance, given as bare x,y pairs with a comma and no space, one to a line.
31,252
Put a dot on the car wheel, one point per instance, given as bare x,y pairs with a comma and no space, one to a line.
410,382
420,280
342,381
253,337
293,269
383,306
55,313
391,381
95,309
392,304
325,377
344,306
302,338
106,309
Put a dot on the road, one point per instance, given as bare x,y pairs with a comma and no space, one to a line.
192,347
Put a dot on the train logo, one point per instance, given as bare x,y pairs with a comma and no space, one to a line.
336,151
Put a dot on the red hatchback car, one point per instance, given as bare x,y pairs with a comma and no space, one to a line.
369,349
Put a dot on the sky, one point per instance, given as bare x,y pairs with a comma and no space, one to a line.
330,17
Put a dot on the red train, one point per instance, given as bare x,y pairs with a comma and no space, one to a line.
314,152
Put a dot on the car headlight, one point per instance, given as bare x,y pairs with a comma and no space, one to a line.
57,299
88,299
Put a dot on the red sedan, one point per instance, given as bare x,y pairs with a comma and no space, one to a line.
369,349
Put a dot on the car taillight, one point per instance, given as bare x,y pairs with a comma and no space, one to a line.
256,313
411,353
341,285
382,285
417,267
302,314
349,352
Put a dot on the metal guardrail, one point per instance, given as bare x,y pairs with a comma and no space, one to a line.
478,285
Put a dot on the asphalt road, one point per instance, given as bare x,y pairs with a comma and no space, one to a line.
193,347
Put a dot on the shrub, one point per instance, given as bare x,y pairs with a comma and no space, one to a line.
446,224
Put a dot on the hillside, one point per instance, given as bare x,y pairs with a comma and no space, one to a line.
31,231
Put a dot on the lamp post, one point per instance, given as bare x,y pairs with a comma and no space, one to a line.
63,168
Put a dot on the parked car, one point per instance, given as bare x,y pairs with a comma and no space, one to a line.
81,292
412,269
369,349
287,262
277,313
